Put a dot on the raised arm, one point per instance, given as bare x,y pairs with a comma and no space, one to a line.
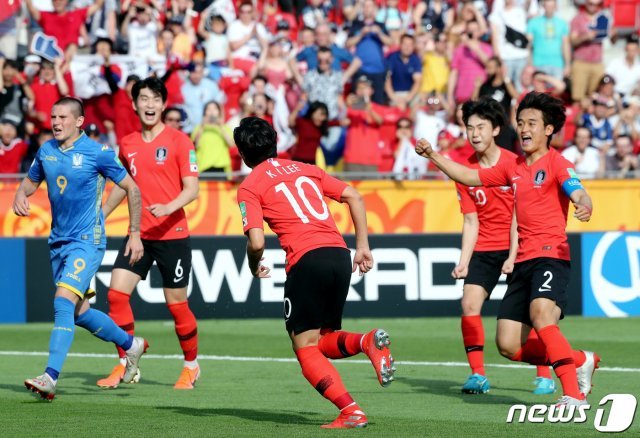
457,172
20,201
362,258
94,7
189,193
134,244
35,12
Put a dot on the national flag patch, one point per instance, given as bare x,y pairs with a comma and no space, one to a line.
193,167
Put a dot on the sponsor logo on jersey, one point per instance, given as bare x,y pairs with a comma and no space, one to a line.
76,161
192,157
105,147
540,177
161,154
50,158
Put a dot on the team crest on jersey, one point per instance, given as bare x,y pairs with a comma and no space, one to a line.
540,177
76,161
161,154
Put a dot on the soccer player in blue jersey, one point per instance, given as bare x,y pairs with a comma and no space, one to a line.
74,168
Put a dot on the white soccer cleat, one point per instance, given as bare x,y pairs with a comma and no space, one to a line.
138,348
565,400
43,386
585,372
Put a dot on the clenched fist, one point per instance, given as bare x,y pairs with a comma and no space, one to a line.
424,148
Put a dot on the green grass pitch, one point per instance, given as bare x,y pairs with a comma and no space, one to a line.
244,396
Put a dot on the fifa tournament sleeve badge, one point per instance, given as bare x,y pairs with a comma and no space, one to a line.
572,173
243,213
193,165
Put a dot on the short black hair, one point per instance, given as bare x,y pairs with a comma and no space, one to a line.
324,49
256,140
552,110
319,106
152,83
171,109
77,108
486,108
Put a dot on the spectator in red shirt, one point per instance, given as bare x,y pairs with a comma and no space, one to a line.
63,25
310,129
125,118
12,148
363,151
47,89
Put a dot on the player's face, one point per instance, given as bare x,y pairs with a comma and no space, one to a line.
149,107
64,124
480,133
532,131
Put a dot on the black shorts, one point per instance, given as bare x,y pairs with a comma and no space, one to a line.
542,277
316,289
172,256
485,269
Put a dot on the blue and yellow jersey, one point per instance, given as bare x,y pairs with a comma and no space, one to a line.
75,183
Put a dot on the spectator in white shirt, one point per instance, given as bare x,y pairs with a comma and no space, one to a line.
247,37
585,157
141,30
626,70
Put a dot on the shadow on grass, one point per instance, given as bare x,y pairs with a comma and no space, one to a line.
278,417
452,389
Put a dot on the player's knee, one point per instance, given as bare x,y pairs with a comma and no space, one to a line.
507,348
470,306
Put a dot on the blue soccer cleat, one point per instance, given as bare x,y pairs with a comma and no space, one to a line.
544,386
476,384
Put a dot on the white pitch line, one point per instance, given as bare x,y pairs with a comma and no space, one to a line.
288,359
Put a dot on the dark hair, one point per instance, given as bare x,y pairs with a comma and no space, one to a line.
627,136
260,78
211,102
152,83
582,127
170,109
256,140
407,36
315,106
551,108
324,49
102,40
497,60
487,109
11,63
77,109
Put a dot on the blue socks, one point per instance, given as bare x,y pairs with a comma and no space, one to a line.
61,335
102,326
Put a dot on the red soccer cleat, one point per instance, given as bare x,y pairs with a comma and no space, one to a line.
348,420
375,344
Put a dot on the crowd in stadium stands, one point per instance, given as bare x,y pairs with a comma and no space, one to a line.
347,84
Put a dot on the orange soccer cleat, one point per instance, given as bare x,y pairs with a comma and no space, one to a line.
187,378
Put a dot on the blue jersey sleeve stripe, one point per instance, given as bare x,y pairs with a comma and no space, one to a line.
571,185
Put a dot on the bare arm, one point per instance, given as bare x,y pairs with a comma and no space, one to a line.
113,200
470,227
20,201
566,53
351,70
63,88
189,193
94,7
582,202
362,258
35,12
507,266
202,29
457,172
255,250
134,244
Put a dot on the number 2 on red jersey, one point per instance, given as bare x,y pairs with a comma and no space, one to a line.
300,184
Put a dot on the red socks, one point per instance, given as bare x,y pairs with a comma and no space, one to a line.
562,360
338,345
541,370
186,329
120,312
323,376
473,338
